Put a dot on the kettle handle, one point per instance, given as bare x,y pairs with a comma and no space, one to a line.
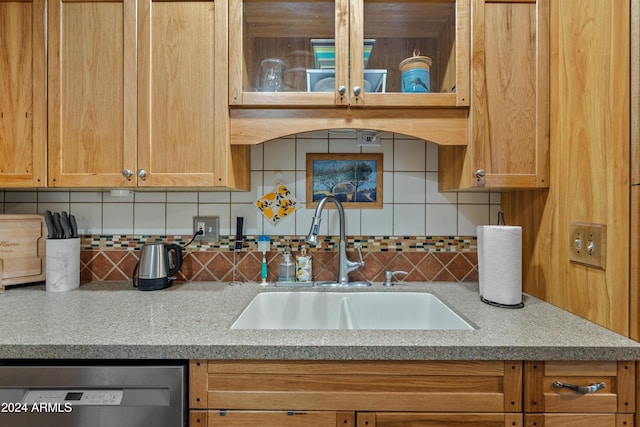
178,251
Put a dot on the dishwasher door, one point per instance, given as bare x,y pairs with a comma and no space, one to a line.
94,395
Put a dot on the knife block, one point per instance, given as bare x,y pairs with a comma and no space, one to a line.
63,264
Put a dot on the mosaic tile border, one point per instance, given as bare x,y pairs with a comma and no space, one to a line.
327,243
448,259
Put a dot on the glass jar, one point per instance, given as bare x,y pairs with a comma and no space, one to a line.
271,76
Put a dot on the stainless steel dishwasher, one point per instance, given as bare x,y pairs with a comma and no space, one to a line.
96,394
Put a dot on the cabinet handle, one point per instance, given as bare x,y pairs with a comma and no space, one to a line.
580,389
357,90
142,173
342,90
127,173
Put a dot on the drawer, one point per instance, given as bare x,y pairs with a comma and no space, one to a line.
271,419
578,420
436,419
543,392
483,386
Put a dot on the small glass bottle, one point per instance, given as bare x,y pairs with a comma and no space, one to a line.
303,266
287,269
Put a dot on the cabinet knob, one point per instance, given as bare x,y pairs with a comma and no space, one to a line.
141,173
127,173
342,90
357,90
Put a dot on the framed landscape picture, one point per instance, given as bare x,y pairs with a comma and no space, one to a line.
354,179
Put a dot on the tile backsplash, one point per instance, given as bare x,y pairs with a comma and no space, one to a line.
412,204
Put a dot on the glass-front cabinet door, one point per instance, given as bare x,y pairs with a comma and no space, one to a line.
349,53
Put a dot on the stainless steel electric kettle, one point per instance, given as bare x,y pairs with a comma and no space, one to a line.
156,267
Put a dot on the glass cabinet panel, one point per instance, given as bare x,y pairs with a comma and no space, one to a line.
338,52
414,45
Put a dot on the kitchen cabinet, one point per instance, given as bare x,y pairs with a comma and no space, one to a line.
314,58
274,393
136,97
23,112
508,145
548,404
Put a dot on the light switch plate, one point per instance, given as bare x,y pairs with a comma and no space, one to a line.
587,244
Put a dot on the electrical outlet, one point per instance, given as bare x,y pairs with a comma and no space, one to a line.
587,244
210,225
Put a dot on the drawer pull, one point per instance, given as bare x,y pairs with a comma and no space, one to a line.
581,389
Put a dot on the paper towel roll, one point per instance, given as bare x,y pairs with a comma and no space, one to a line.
500,264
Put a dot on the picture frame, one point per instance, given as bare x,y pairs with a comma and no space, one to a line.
354,178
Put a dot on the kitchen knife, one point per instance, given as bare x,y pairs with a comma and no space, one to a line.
66,226
51,229
57,225
74,226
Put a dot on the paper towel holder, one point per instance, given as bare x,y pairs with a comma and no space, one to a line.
497,304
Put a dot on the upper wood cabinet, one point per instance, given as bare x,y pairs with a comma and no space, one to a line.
135,95
23,112
508,144
347,52
322,64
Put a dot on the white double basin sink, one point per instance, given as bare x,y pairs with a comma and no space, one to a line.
349,310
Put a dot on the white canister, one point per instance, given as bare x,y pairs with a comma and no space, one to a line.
63,265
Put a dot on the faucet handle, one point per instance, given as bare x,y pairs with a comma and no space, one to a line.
361,262
388,276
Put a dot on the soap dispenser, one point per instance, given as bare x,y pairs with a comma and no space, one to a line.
287,269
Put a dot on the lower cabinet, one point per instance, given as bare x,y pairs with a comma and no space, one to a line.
411,393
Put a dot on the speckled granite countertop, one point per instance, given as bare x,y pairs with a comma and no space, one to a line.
191,321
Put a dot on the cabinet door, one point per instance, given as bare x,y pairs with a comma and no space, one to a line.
177,94
280,419
22,94
396,419
578,420
270,51
341,52
422,47
92,93
508,144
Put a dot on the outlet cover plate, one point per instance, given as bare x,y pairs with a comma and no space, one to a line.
587,244
211,228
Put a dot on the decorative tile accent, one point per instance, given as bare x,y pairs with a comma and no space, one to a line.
431,258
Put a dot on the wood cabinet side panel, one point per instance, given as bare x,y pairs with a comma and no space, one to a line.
198,418
23,94
626,379
198,384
